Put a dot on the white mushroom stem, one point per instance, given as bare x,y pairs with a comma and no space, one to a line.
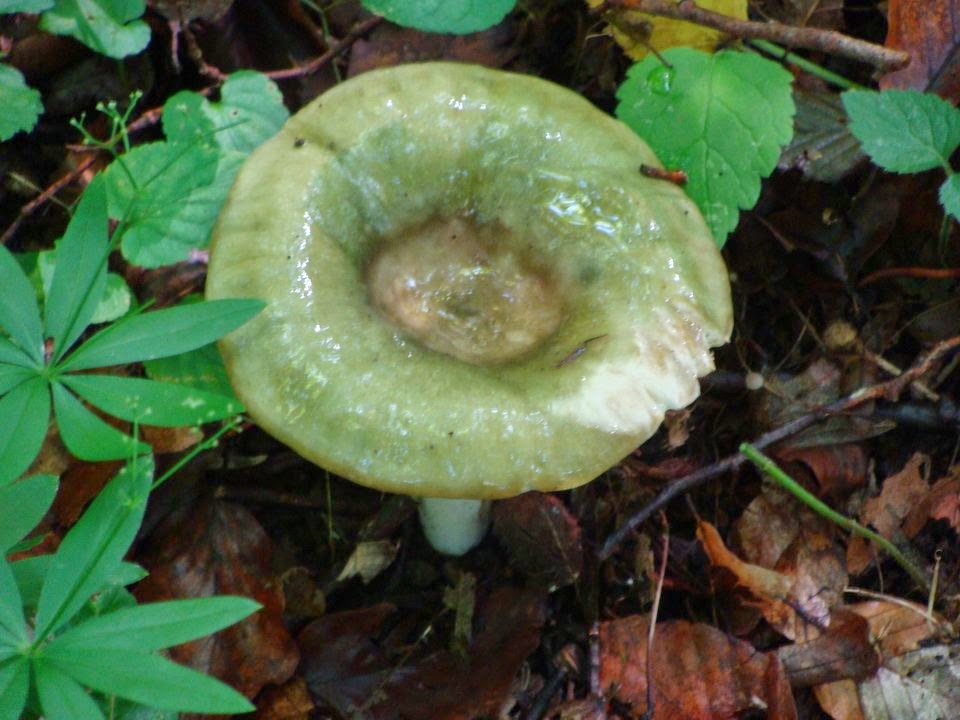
454,527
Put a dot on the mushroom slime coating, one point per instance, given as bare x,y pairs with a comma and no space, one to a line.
471,289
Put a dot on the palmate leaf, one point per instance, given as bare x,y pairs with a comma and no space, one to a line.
24,413
14,684
22,507
14,355
13,625
87,436
93,550
161,333
155,626
13,375
151,402
147,679
61,696
19,314
80,275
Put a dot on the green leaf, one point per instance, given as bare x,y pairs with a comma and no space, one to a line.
154,186
115,300
24,414
151,402
62,697
202,368
14,355
13,625
87,436
19,314
148,679
14,684
442,16
22,507
950,195
721,118
80,275
93,550
21,103
13,375
110,27
155,626
25,6
29,574
162,333
250,111
903,131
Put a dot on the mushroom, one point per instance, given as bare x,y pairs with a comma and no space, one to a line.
472,290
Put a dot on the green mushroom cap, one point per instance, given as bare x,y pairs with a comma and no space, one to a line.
471,289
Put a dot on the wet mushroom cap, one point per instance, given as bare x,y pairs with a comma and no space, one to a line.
472,290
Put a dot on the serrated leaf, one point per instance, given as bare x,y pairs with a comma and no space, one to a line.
903,131
250,111
162,333
721,118
202,368
149,679
151,402
442,16
24,415
76,287
822,145
950,195
87,436
14,684
156,626
61,696
93,550
110,27
155,186
21,104
19,313
22,507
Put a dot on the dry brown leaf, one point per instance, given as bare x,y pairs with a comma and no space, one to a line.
843,650
368,560
290,701
698,672
219,548
901,493
541,537
930,31
941,503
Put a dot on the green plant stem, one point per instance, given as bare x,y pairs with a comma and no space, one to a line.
769,467
196,450
780,53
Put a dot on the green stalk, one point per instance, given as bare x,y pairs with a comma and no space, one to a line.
769,467
780,53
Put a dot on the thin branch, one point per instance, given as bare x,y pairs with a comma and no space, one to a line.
335,49
41,199
809,38
888,390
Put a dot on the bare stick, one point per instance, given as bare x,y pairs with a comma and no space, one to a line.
888,390
810,38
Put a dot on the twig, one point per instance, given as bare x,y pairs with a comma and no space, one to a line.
335,49
889,390
911,272
654,611
809,38
786,482
41,199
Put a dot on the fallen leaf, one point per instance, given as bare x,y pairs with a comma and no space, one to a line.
901,493
349,670
290,701
930,31
541,537
218,548
942,502
843,650
698,672
368,560
637,33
